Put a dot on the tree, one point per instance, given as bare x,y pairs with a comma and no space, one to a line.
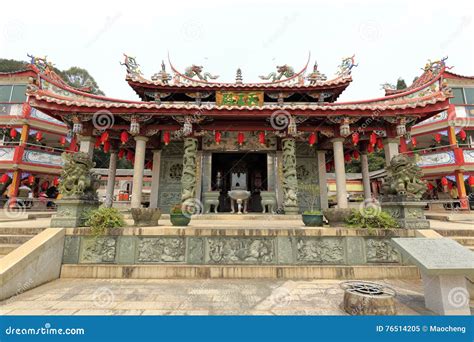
80,78
10,65
376,162
101,160
75,77
401,84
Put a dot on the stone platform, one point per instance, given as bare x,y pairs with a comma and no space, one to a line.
280,248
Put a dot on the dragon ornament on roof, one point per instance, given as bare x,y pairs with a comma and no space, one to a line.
282,71
196,71
346,66
133,68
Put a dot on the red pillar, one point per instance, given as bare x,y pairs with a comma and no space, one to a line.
459,160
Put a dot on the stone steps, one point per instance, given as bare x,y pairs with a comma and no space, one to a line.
14,239
20,230
463,240
371,271
455,232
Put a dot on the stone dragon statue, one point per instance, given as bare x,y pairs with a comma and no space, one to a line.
196,70
404,178
282,70
290,179
188,179
77,180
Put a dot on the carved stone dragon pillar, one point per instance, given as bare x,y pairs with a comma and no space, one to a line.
290,180
188,179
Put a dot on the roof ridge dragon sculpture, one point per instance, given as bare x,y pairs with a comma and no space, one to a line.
282,71
196,70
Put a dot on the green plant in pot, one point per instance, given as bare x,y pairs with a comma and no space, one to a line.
178,217
312,217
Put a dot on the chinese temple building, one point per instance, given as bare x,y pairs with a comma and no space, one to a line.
276,139
444,143
31,142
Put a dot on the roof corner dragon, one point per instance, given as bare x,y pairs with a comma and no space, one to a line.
196,70
282,71
345,68
133,68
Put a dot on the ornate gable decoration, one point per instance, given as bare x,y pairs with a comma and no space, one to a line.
345,68
133,68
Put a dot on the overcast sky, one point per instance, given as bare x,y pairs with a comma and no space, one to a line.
390,39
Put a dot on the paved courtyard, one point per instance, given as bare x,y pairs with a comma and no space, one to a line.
197,297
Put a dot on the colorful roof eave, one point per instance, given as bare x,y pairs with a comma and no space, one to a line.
55,106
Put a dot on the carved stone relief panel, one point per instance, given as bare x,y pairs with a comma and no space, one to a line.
161,249
241,250
320,250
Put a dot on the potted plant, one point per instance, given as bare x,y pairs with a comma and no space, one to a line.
312,217
177,217
103,219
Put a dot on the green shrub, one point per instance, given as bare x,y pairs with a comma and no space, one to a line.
104,218
312,212
370,219
177,209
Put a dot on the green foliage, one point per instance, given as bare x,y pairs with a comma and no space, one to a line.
371,218
74,76
104,218
401,84
312,212
9,65
80,78
176,209
101,160
376,162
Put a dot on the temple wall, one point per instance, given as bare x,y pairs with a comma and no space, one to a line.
308,178
170,176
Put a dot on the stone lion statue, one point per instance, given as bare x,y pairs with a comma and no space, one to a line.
77,180
404,178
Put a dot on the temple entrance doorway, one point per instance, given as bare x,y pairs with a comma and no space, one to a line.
239,171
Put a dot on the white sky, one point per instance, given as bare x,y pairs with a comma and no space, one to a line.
389,38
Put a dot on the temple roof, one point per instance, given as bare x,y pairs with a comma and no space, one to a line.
195,79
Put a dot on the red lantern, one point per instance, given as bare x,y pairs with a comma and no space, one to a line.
62,140
45,185
104,137
97,143
372,138
240,138
379,144
217,137
429,186
470,181
13,133
31,179
130,156
413,141
328,167
347,157
123,137
73,145
437,138
444,181
4,178
166,138
313,138
39,136
355,138
261,138
462,134
107,146
121,153
370,148
56,181
355,155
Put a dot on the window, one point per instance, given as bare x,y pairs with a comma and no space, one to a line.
458,96
13,93
18,93
469,92
5,92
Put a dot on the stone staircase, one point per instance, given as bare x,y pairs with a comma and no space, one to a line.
13,237
464,236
